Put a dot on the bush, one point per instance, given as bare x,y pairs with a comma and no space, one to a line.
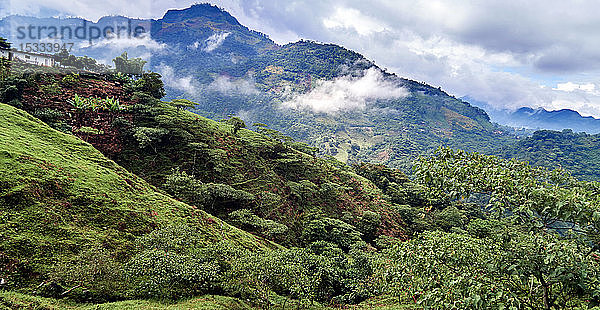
150,83
450,217
53,118
236,124
168,275
447,270
248,221
212,197
332,230
70,79
173,238
321,273
369,224
96,271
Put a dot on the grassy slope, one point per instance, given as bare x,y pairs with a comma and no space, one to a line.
59,195
11,300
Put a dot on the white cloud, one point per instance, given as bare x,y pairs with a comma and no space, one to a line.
226,85
570,87
346,93
194,46
185,83
123,43
214,41
222,84
348,18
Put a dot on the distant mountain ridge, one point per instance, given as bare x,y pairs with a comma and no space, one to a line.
540,118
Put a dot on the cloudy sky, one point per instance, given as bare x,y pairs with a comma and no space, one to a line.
507,53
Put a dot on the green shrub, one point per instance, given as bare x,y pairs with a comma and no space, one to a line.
332,230
449,217
368,225
248,221
447,270
70,79
97,273
168,275
96,104
212,197
53,118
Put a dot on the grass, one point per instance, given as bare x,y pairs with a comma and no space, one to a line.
12,300
59,196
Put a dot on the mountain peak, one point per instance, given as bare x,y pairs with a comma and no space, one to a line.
205,10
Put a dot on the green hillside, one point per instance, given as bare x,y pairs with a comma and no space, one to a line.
263,181
467,229
112,197
60,197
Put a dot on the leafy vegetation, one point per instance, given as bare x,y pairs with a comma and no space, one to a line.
96,104
82,63
128,66
70,216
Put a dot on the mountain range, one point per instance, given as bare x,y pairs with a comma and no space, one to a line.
540,118
333,98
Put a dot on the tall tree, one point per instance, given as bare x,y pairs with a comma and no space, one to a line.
128,66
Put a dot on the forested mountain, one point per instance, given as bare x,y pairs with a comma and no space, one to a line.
118,192
323,94
293,88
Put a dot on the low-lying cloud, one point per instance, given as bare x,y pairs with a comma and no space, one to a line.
346,93
186,84
191,86
123,43
227,85
214,41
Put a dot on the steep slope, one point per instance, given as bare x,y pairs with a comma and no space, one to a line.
60,197
262,182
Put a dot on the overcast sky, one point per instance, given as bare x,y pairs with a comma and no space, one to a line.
507,53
